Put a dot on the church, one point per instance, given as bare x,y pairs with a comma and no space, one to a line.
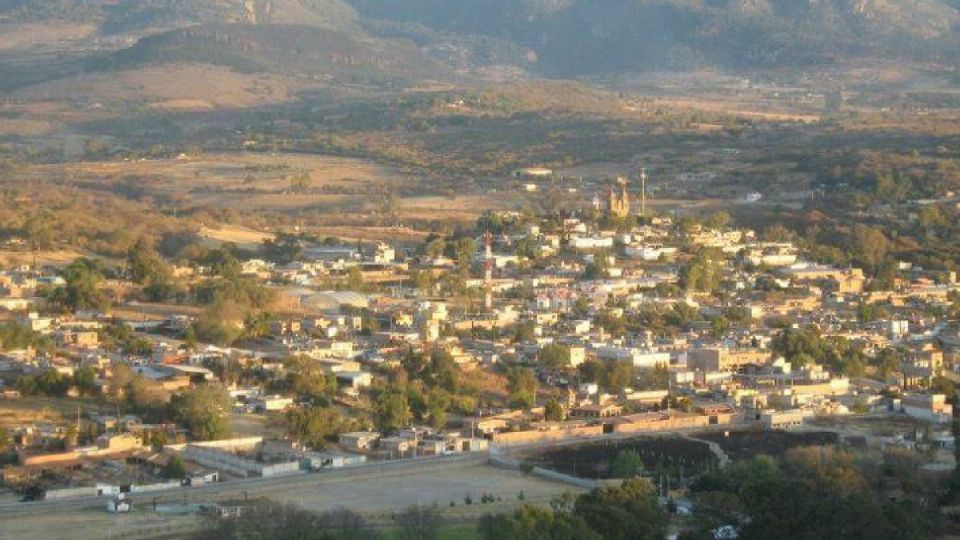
619,205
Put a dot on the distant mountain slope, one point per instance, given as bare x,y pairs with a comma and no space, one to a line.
119,16
590,36
317,53
392,40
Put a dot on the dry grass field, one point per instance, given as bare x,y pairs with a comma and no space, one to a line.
241,236
26,410
19,37
339,201
765,112
42,258
238,180
162,87
374,493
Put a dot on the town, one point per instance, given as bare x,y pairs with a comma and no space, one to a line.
523,333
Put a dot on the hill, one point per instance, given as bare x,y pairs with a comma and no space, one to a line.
317,53
556,38
135,16
582,37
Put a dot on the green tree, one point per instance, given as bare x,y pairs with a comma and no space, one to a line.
626,512
519,379
175,469
554,356
85,379
82,290
626,464
599,267
143,396
37,227
718,220
814,492
145,265
418,523
5,440
283,249
435,248
221,323
203,411
354,279
536,523
392,411
307,379
282,521
14,335
703,272
524,331
553,411
870,246
464,248
317,426
887,362
618,376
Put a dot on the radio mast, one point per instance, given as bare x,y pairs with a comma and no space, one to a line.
488,271
643,192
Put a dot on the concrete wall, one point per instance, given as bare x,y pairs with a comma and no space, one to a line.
153,488
220,458
523,437
70,493
278,469
674,422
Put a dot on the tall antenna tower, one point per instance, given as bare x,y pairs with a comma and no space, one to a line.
488,271
643,192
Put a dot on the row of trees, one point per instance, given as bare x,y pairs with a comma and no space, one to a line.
53,383
629,511
817,492
807,345
268,519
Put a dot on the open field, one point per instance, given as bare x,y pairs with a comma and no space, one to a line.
47,35
738,108
25,410
161,87
42,258
242,237
374,492
460,208
236,180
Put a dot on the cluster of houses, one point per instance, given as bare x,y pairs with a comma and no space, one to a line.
559,281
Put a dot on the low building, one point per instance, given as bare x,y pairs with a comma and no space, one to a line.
783,419
270,403
724,358
397,446
596,411
359,440
928,407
